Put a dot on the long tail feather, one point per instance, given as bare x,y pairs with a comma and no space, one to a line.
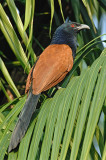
24,120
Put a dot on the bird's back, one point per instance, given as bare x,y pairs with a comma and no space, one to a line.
51,68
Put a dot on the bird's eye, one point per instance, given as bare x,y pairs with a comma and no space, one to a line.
72,25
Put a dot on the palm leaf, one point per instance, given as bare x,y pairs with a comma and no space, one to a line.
83,93
8,78
14,11
104,153
5,138
12,156
11,37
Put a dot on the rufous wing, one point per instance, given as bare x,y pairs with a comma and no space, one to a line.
51,68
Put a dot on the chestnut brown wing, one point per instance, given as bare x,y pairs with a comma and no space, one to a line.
51,68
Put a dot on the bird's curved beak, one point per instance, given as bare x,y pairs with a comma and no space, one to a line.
83,26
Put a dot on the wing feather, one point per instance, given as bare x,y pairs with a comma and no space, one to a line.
51,68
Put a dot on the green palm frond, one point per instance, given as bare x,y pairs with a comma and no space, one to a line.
19,24
8,78
11,37
66,113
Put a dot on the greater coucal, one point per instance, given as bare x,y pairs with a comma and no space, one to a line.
52,66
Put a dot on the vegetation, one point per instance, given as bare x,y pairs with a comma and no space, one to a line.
72,123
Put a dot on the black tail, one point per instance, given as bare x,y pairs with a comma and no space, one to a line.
24,120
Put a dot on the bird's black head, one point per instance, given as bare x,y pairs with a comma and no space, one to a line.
67,34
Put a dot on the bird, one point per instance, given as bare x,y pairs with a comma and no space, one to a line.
53,65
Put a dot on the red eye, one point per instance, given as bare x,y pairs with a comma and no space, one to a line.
72,25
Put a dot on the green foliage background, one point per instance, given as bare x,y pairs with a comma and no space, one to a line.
72,123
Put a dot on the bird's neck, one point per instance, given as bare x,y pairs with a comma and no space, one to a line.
65,38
